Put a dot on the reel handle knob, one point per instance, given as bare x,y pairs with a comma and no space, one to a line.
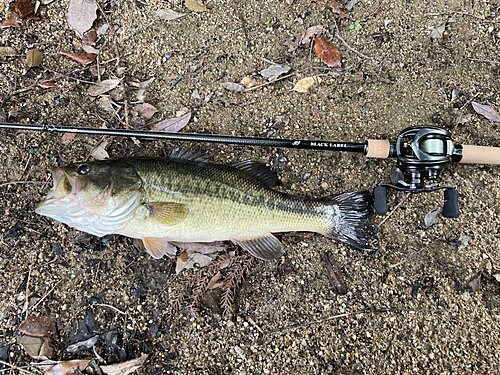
450,208
380,200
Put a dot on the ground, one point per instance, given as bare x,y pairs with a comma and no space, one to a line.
426,302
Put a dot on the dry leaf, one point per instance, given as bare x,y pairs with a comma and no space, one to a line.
99,152
67,138
231,86
81,15
67,368
103,87
11,22
329,54
497,277
438,32
274,70
195,5
215,282
145,110
23,8
89,37
37,340
125,368
82,58
8,51
189,259
312,32
168,14
172,125
33,58
306,83
486,111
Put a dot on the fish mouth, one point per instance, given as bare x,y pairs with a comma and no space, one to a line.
63,197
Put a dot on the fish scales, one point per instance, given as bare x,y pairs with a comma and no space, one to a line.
223,202
186,199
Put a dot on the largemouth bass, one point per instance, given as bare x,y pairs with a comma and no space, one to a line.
184,198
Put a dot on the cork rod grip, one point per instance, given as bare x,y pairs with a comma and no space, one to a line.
378,148
480,154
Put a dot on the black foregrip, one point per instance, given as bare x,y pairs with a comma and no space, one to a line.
450,208
380,200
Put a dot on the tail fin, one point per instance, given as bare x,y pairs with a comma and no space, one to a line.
351,220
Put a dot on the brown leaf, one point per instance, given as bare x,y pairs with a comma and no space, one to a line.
38,326
329,54
125,368
172,125
146,110
215,282
82,58
306,83
68,367
486,111
11,22
81,15
89,37
67,138
23,8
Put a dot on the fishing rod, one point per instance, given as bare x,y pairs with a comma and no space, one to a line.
421,151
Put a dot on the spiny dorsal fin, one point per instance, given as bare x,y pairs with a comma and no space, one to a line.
187,154
158,247
168,213
267,247
257,170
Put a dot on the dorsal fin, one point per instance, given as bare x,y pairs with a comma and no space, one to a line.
257,170
187,154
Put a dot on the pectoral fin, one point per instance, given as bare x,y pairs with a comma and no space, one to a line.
168,213
265,248
158,247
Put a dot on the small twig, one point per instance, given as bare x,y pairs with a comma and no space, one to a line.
395,208
346,315
485,61
45,295
70,77
255,325
349,47
269,82
111,307
25,167
27,292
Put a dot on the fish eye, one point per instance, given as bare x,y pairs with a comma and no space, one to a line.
83,169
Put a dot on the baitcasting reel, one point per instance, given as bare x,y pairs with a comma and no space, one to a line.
422,152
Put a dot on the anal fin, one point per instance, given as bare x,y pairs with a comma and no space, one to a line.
158,247
267,247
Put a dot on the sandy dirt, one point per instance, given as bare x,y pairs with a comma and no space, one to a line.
426,302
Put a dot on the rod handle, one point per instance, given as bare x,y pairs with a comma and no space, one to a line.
378,148
480,154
